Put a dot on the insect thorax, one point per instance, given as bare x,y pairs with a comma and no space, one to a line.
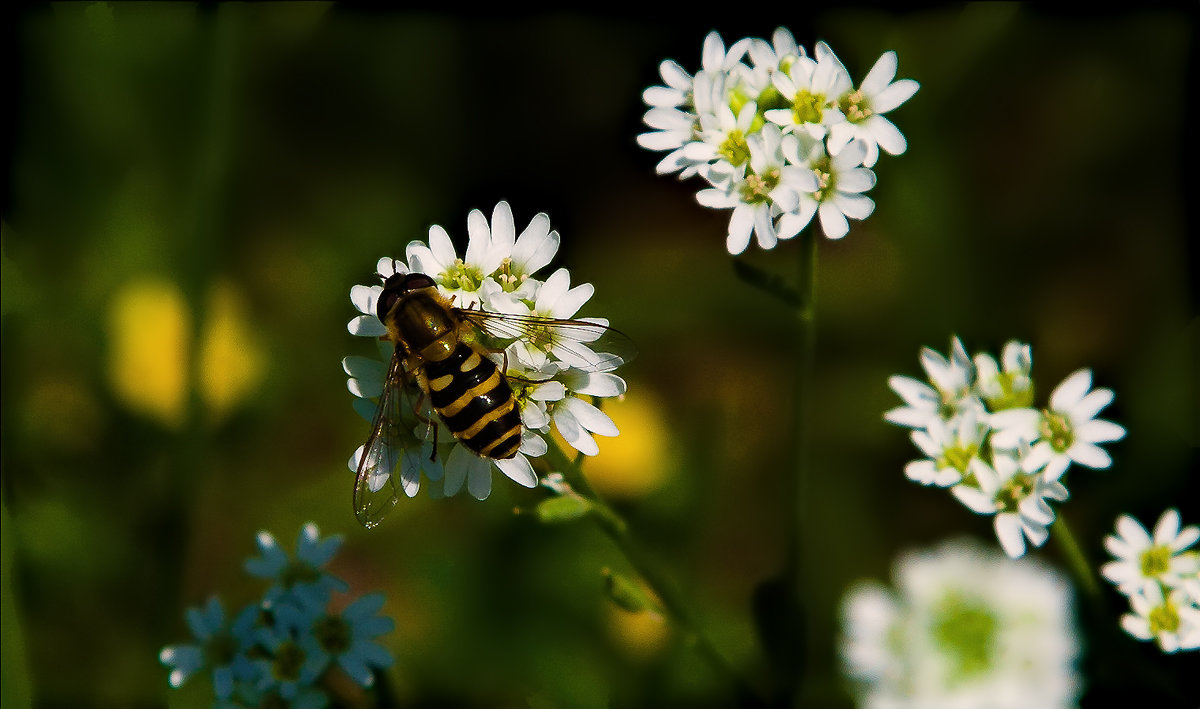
424,325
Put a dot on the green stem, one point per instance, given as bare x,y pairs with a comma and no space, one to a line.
1075,558
613,525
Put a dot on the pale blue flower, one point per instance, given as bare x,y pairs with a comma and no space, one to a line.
303,577
288,668
347,639
220,650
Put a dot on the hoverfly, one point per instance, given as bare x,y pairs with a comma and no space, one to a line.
443,363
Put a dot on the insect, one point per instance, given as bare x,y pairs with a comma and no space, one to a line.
442,362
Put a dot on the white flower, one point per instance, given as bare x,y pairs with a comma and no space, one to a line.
1143,561
676,91
812,88
863,109
1065,432
1016,498
963,627
529,253
1011,388
769,187
779,53
1172,620
462,279
952,379
676,109
841,180
950,445
707,123
723,137
716,59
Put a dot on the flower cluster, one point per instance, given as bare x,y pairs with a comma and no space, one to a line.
778,135
1161,576
554,372
279,649
963,627
974,421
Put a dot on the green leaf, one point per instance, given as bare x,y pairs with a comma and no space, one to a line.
566,508
626,594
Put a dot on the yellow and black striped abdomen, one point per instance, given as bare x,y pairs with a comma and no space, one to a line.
472,396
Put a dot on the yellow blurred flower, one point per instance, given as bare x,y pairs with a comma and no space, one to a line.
231,361
634,463
150,330
641,634
148,327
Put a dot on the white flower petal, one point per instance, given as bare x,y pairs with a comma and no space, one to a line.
364,298
1070,392
573,433
602,384
518,470
859,179
880,75
1089,455
366,326
894,95
974,499
533,445
456,469
590,417
741,224
885,134
662,140
1010,533
764,229
571,301
854,206
536,245
833,222
441,249
1167,527
479,479
1099,431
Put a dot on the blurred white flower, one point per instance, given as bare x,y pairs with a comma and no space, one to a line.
963,627
1016,498
1010,388
1171,619
1066,432
1143,561
952,378
951,446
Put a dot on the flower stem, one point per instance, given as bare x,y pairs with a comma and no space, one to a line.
617,529
1075,558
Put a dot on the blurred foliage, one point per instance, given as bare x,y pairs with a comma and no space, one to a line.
197,187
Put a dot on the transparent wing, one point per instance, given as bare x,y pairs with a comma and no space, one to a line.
376,488
588,345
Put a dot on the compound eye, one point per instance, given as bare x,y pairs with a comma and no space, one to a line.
387,299
413,281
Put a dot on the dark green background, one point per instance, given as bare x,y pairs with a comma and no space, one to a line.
287,147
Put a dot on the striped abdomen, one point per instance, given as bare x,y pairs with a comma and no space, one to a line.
472,396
